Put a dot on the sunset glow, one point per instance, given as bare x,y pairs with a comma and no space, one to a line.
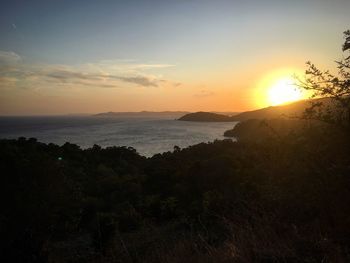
90,57
284,90
278,86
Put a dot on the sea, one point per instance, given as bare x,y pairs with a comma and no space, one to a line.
148,135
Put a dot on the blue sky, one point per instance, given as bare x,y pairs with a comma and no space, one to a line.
185,47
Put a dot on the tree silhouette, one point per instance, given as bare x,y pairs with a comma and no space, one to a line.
331,92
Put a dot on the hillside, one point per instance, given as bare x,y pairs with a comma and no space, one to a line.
289,110
260,130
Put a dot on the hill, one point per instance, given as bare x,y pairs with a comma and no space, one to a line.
288,111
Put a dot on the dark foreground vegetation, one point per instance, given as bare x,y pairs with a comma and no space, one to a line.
283,198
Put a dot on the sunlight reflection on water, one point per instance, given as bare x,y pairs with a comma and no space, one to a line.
147,135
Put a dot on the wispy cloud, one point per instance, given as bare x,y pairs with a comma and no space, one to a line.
151,66
141,80
204,94
127,66
9,57
104,74
99,79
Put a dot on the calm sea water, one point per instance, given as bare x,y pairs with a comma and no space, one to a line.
147,135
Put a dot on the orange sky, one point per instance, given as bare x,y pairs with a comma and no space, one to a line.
195,56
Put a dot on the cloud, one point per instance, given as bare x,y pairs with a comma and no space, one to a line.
5,81
132,64
151,66
65,76
9,57
127,66
204,94
140,80
105,75
58,76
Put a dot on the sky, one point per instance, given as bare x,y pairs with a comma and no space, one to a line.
84,56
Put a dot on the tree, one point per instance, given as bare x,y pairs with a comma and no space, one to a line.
331,93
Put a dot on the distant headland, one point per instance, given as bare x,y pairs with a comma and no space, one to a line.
287,110
142,114
206,117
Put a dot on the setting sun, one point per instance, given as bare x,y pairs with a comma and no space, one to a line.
282,91
277,87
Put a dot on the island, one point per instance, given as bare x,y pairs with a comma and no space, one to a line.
206,117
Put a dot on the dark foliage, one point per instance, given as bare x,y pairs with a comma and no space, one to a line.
335,88
282,198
